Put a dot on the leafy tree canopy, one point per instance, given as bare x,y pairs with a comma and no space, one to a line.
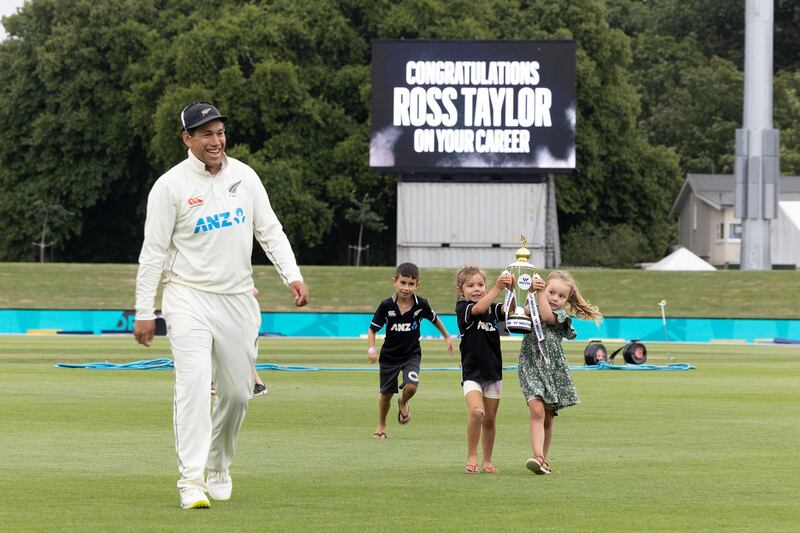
92,92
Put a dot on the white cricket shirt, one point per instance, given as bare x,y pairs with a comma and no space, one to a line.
199,232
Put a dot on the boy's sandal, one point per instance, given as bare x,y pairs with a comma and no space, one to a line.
380,435
489,469
403,419
471,469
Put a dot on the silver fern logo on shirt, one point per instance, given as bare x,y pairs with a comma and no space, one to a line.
233,188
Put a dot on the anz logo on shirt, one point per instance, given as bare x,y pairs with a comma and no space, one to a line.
219,221
404,327
486,326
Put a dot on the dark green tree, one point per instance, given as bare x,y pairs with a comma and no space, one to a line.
717,26
92,91
50,217
363,215
688,68
68,139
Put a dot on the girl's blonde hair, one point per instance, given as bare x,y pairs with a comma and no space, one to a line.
580,307
464,274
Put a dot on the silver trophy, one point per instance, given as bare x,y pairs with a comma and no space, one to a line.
523,271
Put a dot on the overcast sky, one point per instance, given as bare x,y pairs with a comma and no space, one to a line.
8,7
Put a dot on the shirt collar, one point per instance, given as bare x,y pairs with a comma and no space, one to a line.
394,298
200,167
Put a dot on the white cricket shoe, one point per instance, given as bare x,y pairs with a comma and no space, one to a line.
219,485
194,499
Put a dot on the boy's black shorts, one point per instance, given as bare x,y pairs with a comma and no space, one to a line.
390,370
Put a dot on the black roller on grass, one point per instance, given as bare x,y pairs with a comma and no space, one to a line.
634,353
594,353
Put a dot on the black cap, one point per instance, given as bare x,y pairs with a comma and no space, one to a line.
197,114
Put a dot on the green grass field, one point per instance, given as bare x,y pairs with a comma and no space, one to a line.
709,449
634,293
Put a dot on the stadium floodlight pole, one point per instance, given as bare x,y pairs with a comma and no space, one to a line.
757,144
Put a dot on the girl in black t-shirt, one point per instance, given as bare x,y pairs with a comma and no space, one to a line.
481,363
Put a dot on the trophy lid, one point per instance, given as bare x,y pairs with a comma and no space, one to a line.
522,253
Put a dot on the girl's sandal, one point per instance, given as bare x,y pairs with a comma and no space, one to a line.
489,469
537,465
471,469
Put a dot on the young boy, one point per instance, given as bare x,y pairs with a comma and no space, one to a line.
401,314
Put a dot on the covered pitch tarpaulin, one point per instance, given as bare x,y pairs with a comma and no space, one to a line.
682,260
786,235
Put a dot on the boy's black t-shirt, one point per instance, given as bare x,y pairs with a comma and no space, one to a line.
481,358
402,330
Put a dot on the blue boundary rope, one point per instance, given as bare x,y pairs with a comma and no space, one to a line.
166,364
148,364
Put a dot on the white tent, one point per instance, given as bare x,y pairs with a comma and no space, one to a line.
681,259
786,235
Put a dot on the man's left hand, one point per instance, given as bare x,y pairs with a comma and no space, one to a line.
300,293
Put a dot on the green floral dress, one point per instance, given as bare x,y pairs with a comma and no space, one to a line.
548,377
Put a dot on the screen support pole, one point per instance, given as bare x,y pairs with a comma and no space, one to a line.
552,252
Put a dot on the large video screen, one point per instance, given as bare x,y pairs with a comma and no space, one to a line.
473,106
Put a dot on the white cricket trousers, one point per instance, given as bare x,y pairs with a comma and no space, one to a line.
206,328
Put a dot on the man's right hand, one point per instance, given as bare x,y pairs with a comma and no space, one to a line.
299,292
144,330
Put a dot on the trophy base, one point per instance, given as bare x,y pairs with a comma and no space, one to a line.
521,325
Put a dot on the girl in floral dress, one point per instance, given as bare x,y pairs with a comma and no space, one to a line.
544,375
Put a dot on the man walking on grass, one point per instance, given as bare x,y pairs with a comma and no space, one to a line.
202,216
